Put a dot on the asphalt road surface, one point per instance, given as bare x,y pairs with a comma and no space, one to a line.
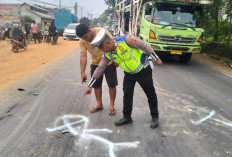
51,117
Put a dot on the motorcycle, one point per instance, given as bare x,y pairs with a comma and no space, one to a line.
16,45
40,35
46,36
30,37
53,37
6,33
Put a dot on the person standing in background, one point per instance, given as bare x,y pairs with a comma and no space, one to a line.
27,29
35,31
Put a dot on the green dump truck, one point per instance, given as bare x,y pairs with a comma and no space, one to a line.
171,27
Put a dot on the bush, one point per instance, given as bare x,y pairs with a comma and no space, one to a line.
220,49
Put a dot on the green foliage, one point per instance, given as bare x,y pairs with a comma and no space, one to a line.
85,20
111,7
110,3
217,26
221,49
26,19
95,21
103,19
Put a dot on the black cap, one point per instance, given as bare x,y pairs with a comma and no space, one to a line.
81,29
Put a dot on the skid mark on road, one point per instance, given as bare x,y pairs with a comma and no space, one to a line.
77,125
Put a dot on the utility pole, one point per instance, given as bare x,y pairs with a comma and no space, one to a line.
91,17
60,4
88,14
82,8
76,9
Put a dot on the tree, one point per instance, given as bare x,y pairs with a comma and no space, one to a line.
95,21
111,7
110,3
229,15
26,19
103,19
85,20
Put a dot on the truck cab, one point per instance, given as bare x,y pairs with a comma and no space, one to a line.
172,28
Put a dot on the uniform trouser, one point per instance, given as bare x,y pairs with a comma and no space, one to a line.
144,78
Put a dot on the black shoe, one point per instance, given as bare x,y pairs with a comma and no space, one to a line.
154,123
123,121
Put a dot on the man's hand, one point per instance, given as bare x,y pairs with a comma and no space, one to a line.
158,62
88,91
83,77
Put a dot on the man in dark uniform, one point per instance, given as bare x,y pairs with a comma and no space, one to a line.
17,33
27,30
52,32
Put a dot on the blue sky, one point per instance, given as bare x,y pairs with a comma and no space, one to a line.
96,7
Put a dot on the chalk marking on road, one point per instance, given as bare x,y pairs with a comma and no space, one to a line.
87,134
210,117
212,113
63,126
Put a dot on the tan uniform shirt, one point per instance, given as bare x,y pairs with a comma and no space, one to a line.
96,53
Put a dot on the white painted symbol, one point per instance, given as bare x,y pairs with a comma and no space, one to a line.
212,113
85,134
205,118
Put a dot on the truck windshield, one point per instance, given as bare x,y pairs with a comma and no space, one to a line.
177,15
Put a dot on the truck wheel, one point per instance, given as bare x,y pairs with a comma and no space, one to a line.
185,58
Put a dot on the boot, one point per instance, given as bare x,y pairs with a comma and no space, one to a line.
123,121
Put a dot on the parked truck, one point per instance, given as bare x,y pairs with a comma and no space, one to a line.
171,27
63,18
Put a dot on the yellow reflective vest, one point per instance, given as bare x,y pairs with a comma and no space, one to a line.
131,60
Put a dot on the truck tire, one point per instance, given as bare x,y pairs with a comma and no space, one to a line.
185,58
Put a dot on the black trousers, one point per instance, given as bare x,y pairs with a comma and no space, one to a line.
36,37
144,78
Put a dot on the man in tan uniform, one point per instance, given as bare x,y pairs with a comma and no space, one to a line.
87,35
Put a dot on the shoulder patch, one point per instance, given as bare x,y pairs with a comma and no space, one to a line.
132,40
121,48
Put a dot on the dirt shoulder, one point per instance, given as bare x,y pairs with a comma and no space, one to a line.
16,65
215,62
